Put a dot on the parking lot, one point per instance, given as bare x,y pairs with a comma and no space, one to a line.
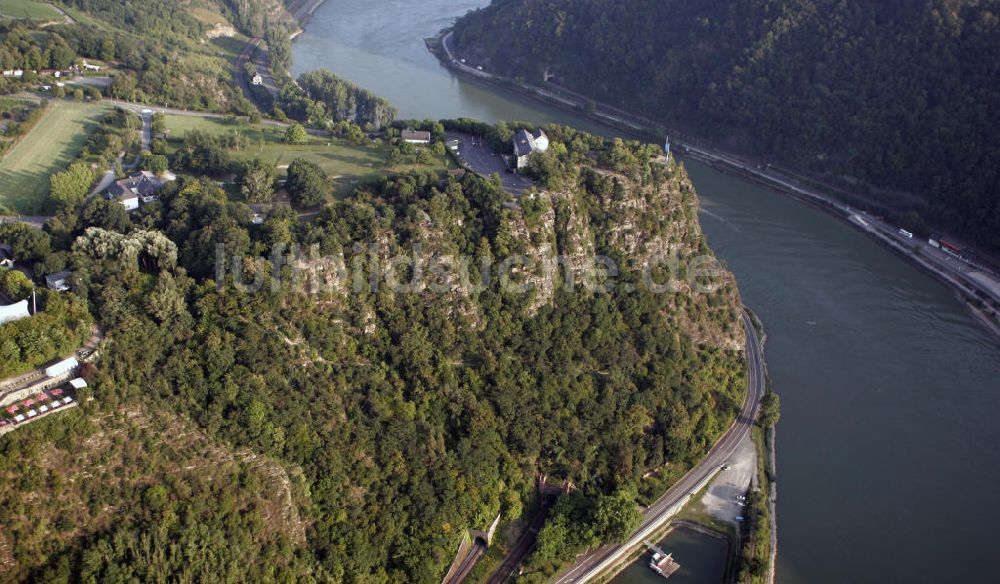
484,162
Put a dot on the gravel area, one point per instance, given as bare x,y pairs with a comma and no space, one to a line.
720,500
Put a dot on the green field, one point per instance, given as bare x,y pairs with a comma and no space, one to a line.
29,9
348,164
49,148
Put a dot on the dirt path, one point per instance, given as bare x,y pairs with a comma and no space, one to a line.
67,19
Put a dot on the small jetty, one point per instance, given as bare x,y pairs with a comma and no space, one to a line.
662,563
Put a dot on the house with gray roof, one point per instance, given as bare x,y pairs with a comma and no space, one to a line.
58,281
526,143
140,186
416,136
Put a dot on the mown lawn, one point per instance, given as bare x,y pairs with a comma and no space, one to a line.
49,148
29,9
348,164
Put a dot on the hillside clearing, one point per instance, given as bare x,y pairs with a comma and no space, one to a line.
49,148
349,164
29,9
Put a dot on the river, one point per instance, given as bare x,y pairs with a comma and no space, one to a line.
889,440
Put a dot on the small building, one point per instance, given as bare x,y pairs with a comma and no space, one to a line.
129,200
13,312
61,368
6,256
527,143
416,137
58,281
141,186
90,67
13,73
257,80
78,383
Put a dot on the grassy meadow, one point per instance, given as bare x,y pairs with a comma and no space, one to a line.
49,148
347,163
29,9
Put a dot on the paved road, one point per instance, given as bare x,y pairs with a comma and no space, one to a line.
956,272
484,162
595,562
138,107
147,141
302,10
299,11
25,380
106,179
253,51
446,43
951,269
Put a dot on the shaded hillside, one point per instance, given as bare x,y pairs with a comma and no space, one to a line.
131,495
902,95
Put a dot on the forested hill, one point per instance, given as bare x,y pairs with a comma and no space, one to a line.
900,94
323,428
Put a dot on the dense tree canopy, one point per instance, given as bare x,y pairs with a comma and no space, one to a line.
307,183
321,97
897,93
410,414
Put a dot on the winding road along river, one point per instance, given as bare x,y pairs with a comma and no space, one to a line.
889,441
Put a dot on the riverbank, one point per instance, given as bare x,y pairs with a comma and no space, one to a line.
661,512
302,12
266,92
625,571
861,345
767,478
982,298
